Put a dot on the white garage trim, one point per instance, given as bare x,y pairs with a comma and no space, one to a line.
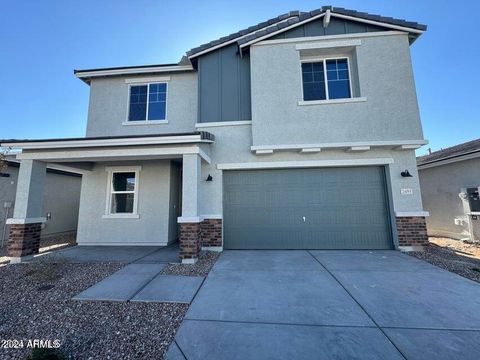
304,164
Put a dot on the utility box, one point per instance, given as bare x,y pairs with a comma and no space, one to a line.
471,205
473,199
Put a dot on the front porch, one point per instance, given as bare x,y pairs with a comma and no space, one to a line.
136,191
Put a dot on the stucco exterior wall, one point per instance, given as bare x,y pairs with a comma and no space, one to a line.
152,226
232,145
61,198
109,101
440,188
385,78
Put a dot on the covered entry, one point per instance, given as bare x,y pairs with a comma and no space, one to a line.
316,208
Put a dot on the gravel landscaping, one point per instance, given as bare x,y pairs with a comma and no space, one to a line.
36,303
452,255
202,267
47,244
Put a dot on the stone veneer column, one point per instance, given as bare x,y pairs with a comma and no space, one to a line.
412,231
211,237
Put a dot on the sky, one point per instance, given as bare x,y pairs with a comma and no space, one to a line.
41,42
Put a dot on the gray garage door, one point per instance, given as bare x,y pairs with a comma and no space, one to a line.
333,208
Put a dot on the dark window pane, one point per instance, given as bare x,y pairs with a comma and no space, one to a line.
339,89
306,67
138,103
314,91
337,76
137,112
313,81
124,181
343,74
162,87
331,65
122,203
332,75
342,64
307,77
319,77
156,110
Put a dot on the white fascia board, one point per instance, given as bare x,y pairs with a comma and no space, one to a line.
330,37
378,23
449,161
133,71
296,147
411,213
56,144
282,30
13,221
304,164
170,152
328,44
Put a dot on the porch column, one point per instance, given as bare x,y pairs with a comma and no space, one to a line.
25,226
190,222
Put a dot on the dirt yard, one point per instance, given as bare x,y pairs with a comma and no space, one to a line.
453,255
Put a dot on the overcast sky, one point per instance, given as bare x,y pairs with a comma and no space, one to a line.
41,42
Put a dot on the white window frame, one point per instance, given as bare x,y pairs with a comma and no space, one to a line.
111,170
147,82
324,59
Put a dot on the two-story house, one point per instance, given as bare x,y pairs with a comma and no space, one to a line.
296,133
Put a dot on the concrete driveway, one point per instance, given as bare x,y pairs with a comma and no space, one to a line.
330,305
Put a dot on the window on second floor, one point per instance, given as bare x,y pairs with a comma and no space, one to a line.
326,79
148,102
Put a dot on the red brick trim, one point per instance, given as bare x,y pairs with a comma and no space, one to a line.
412,231
24,239
190,235
211,233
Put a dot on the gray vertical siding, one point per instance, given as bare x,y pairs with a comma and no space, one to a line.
224,86
336,27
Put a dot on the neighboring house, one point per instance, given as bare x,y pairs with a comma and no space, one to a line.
450,181
60,202
291,134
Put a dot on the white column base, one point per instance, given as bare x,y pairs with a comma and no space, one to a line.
189,261
212,248
21,259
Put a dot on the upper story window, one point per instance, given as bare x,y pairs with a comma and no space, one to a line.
148,102
326,79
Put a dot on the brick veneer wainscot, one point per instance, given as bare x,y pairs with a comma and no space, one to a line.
211,233
190,234
24,239
412,231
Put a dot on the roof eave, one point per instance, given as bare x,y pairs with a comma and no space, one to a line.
87,75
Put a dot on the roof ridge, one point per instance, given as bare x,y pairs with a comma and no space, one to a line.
265,27
451,151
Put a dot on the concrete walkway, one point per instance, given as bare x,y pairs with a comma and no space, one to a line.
330,304
140,280
120,254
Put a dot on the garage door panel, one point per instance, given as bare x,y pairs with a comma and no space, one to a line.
344,208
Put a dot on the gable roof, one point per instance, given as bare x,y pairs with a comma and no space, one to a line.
255,33
293,18
467,148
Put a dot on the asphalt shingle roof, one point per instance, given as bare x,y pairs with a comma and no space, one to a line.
451,152
288,19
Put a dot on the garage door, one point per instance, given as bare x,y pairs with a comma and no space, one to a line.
328,208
